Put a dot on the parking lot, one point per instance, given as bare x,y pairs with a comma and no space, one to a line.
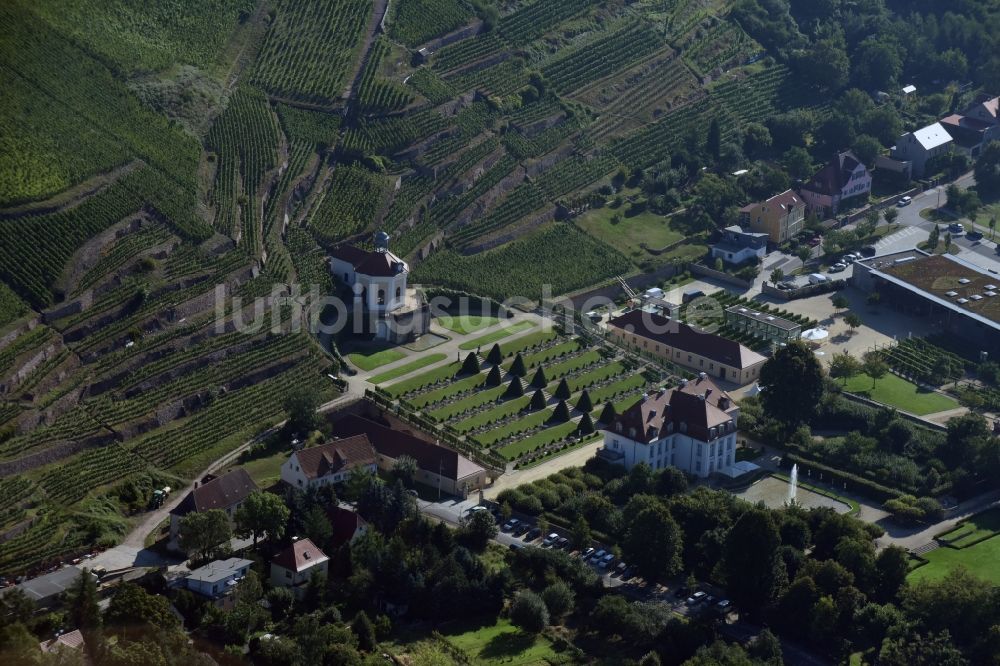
523,533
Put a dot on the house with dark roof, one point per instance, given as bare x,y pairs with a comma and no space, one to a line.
737,245
781,217
347,525
329,463
296,564
225,492
377,279
845,177
691,427
437,466
687,347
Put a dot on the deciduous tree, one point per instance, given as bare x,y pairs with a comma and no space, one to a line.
203,532
792,383
261,513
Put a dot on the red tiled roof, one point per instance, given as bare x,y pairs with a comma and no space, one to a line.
345,524
319,461
392,443
787,199
72,639
681,336
699,404
219,493
830,180
300,555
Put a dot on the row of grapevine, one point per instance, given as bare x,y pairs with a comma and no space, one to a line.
389,135
522,147
310,48
375,94
472,122
313,127
468,51
500,79
417,21
723,42
427,82
526,198
33,250
353,197
67,116
559,256
601,57
445,210
71,480
311,267
534,20
122,251
653,143
245,139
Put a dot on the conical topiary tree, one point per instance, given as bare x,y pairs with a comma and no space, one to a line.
561,413
515,389
537,401
495,357
517,367
586,425
494,378
471,364
584,404
608,414
539,381
563,392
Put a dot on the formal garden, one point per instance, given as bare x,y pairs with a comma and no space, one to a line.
525,398
972,544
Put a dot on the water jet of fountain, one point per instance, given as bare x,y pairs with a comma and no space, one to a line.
793,484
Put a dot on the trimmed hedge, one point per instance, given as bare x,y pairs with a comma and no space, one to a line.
867,487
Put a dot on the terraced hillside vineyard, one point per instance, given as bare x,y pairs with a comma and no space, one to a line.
163,165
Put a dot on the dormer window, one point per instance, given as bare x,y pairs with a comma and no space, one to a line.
631,433
618,426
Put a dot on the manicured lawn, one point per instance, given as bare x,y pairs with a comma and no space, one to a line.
626,236
611,390
526,341
502,643
470,402
491,437
448,390
896,391
490,338
266,471
423,379
973,529
501,411
374,360
980,559
406,369
541,438
464,324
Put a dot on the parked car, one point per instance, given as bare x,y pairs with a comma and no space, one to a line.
598,555
585,555
838,267
606,560
904,201
816,278
510,525
533,534
956,228
562,542
868,251
974,235
696,598
520,529
477,509
629,573
724,605
620,569
849,258
550,539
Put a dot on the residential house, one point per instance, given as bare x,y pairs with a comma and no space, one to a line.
687,347
922,145
378,280
329,463
217,580
781,217
691,427
845,177
437,466
296,564
762,325
70,641
738,245
347,525
225,492
985,109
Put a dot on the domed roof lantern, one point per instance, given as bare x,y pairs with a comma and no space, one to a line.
381,241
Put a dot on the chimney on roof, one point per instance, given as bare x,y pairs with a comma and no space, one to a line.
723,403
645,397
702,375
294,539
684,383
195,484
708,393
663,389
702,396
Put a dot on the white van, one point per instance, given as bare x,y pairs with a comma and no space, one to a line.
816,278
